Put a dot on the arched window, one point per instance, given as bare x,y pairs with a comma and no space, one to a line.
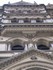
26,20
43,47
14,20
38,20
17,47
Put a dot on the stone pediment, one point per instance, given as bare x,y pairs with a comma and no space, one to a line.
19,59
23,3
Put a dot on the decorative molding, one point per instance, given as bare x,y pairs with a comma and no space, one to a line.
25,55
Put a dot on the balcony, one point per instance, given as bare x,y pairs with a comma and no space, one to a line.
26,21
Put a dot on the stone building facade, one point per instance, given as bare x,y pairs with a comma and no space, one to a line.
26,36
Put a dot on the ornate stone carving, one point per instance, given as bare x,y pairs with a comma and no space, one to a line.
30,35
25,55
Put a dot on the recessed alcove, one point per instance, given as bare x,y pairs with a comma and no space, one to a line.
43,44
26,20
42,47
17,47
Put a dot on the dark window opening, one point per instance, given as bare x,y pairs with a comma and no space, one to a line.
43,47
14,20
17,47
26,20
29,11
38,20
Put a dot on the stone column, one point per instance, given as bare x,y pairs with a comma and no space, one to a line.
26,46
51,48
35,45
8,47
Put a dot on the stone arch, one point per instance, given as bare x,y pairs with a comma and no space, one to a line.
26,20
39,20
17,62
14,20
17,44
43,44
43,41
36,68
31,64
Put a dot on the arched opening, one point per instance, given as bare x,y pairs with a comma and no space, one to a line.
38,20
43,44
42,47
17,47
14,20
26,20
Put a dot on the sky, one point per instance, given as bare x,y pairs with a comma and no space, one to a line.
32,1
